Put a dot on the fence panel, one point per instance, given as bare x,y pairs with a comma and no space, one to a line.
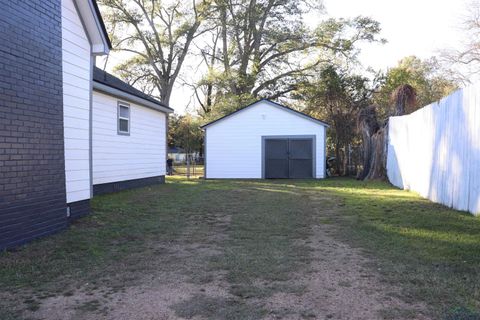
435,151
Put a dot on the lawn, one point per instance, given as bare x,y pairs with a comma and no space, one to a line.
251,250
195,170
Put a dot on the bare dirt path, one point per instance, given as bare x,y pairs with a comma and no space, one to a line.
243,263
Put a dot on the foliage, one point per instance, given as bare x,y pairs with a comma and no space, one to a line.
250,48
404,98
264,49
227,103
412,84
158,34
185,132
425,76
337,96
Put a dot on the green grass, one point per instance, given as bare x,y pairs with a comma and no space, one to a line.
431,252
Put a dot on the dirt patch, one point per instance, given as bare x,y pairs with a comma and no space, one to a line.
176,272
340,285
148,301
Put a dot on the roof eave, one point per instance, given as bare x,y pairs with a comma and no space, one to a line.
102,25
94,26
130,97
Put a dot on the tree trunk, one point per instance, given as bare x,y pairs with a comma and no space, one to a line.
367,154
345,161
369,128
378,156
375,138
337,160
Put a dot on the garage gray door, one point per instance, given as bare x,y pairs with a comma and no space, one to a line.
288,158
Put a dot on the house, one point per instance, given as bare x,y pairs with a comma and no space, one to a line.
129,136
179,155
265,140
67,130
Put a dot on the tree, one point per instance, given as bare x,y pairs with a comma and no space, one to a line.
265,49
374,135
413,83
429,80
185,132
159,34
464,63
337,96
206,84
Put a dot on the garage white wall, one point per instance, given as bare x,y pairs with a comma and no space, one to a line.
234,144
76,63
126,157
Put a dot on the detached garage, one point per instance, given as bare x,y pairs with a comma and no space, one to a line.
265,140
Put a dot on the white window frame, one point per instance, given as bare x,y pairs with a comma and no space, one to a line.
125,105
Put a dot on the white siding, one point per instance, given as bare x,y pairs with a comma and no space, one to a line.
435,151
234,144
76,63
125,157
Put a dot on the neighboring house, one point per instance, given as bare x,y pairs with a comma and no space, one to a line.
180,156
265,140
63,136
177,154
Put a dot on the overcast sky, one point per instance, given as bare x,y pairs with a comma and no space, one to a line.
411,27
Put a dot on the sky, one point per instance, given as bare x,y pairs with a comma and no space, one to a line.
411,27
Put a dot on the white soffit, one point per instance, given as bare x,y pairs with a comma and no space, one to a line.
93,27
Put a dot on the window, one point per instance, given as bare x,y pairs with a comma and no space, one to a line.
123,118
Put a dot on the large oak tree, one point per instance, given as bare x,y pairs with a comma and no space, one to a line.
264,48
159,34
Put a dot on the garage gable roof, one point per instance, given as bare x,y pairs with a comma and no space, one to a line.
280,106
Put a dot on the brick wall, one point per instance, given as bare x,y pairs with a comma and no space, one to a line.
79,209
32,174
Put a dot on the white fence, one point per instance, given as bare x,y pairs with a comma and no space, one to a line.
435,151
